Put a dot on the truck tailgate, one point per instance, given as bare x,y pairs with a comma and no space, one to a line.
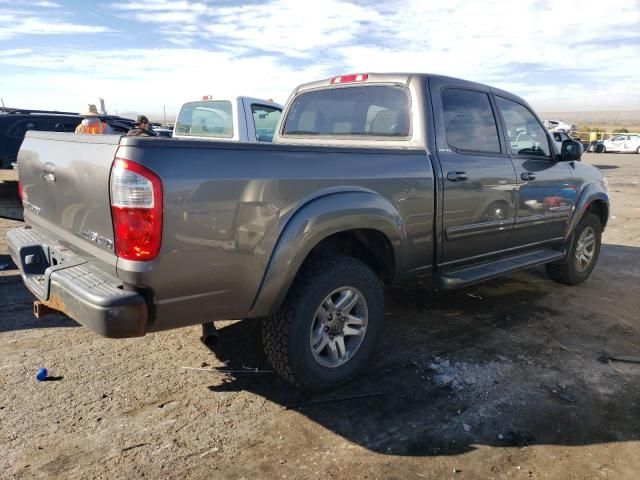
65,184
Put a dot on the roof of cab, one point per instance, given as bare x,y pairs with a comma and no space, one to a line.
401,78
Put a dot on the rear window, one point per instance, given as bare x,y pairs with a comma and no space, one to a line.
265,120
206,119
380,111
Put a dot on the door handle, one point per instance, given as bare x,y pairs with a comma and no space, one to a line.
457,176
527,176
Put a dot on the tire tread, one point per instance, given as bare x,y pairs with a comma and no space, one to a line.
276,328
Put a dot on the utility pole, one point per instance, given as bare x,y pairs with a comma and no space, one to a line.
164,110
2,100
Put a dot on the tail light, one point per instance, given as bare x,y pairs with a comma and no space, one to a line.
136,210
354,77
20,190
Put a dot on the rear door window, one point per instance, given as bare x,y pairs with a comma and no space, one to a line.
20,129
206,119
265,120
526,135
469,121
371,111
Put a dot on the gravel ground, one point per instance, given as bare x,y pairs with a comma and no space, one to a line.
501,380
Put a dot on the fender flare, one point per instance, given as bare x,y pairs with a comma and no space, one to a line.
316,220
591,193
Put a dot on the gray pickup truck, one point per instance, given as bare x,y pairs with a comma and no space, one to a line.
373,179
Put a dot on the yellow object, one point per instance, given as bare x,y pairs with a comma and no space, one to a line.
593,136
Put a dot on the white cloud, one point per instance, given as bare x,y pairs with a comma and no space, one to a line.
556,54
147,79
12,25
45,4
161,5
510,45
40,3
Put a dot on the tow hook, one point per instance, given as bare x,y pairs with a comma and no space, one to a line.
40,309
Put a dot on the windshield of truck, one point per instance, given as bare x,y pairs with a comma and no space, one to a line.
205,119
380,111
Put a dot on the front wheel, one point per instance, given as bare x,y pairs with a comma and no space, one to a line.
328,326
582,254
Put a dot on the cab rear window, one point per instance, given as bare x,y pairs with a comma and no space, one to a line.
205,119
378,111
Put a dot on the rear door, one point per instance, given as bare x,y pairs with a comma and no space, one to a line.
479,182
546,187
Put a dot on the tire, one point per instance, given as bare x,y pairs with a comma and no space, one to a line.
573,270
302,323
600,149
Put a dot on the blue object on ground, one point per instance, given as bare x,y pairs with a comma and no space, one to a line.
41,375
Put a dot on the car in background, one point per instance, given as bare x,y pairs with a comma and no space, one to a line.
163,131
625,143
559,126
239,119
15,123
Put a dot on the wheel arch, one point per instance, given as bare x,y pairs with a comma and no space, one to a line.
593,199
361,224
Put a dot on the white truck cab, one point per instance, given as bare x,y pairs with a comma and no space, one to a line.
239,119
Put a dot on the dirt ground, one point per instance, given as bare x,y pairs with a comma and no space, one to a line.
501,380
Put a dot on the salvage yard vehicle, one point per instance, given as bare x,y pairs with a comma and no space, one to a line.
15,122
241,119
626,143
559,126
372,179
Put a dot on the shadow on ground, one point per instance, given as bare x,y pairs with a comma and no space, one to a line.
509,326
16,306
6,263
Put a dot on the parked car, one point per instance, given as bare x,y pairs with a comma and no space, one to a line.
560,126
14,123
241,119
163,132
371,179
626,143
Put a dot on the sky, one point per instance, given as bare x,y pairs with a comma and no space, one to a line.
141,56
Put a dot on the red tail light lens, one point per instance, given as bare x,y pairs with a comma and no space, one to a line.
354,77
136,210
20,190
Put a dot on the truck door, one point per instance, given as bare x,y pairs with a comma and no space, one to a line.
546,188
479,181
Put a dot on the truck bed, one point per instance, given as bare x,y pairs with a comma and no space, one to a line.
226,209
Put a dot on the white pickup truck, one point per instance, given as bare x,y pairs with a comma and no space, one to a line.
240,119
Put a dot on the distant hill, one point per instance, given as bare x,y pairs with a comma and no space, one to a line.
609,120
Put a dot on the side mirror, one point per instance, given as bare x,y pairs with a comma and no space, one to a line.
570,151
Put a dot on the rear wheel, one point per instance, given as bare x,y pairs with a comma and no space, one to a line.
327,328
582,255
600,149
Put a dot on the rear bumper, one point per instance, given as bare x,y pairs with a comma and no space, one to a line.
75,287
